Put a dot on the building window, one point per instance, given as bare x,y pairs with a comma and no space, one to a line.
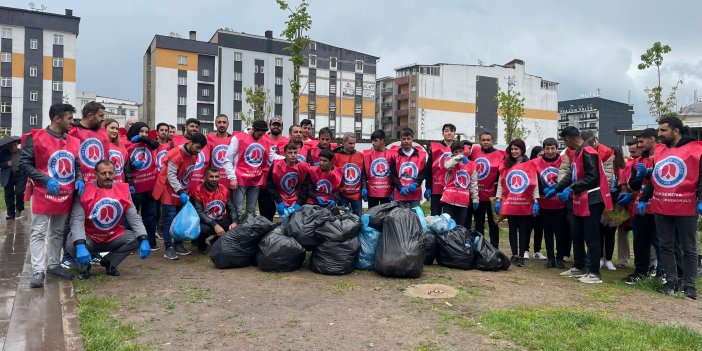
313,46
205,111
278,62
313,86
237,76
359,91
205,92
313,60
33,44
6,107
182,60
6,57
332,63
182,80
58,39
332,89
359,108
359,66
58,61
256,69
414,88
413,104
205,72
33,95
131,113
237,96
278,99
6,82
182,100
57,85
33,119
278,80
181,120
237,56
311,106
6,33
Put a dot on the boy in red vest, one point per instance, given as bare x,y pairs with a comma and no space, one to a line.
435,173
287,182
350,162
277,143
553,212
326,180
323,143
378,187
487,161
407,170
214,206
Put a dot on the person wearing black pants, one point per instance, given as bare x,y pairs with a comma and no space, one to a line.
375,201
484,207
519,227
266,205
554,224
214,204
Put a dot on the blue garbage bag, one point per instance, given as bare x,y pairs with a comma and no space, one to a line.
369,243
186,224
422,218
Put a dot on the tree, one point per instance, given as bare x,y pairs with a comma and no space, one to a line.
656,106
511,107
299,22
260,104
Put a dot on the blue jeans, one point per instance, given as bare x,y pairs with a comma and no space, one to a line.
169,213
356,205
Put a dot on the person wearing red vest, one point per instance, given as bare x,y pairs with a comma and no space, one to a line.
435,173
162,138
118,153
172,187
553,213
407,170
487,162
350,162
461,188
277,143
378,187
49,160
589,188
303,149
288,182
215,207
325,181
144,170
94,143
517,198
323,143
675,195
96,223
307,131
623,249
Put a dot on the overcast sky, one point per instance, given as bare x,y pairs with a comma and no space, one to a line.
582,45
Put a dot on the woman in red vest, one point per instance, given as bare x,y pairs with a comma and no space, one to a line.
117,153
143,171
517,197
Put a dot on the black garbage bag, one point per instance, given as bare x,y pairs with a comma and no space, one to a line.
504,261
335,257
400,251
487,256
455,249
431,248
303,223
378,213
339,228
279,252
237,248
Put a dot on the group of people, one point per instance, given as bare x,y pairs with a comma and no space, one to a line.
96,187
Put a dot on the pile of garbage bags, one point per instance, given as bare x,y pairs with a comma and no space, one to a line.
238,247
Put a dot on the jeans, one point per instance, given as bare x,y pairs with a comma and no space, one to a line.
169,213
356,205
149,214
586,230
375,201
46,237
519,233
14,194
485,209
554,228
118,249
251,193
678,233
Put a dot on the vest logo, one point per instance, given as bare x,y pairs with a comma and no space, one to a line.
482,167
549,175
215,210
187,177
253,156
159,159
91,152
200,163
323,187
462,179
61,167
301,158
116,158
142,154
670,172
219,153
379,168
517,181
408,171
289,182
442,159
106,214
352,174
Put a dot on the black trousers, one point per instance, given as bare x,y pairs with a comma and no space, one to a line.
266,205
485,209
375,201
207,231
644,230
519,227
538,230
458,213
14,194
677,236
554,226
436,205
607,241
586,230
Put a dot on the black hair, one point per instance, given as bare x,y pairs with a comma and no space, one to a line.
535,152
632,142
60,110
480,136
103,162
449,126
212,169
675,122
289,146
170,126
158,126
291,128
550,142
305,122
326,131
222,115
406,132
192,120
326,153
199,138
457,145
92,107
378,134
619,162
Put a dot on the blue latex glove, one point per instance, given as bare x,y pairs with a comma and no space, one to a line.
294,208
282,209
136,138
641,208
52,186
404,191
536,209
320,201
138,164
316,164
80,187
364,194
563,197
465,159
497,207
131,189
699,207
475,206
427,194
624,199
331,203
82,254
184,198
144,249
391,197
641,171
412,187
550,192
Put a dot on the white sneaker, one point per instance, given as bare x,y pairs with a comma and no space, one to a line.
539,256
573,273
590,279
526,255
610,266
602,262
565,258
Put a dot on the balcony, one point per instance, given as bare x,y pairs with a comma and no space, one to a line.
386,105
386,120
386,91
402,80
400,97
401,113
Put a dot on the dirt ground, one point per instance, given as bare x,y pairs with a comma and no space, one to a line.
189,305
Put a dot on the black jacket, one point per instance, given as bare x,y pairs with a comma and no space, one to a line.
590,180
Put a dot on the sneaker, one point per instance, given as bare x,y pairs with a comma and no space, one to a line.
18,215
520,262
652,271
69,263
602,263
37,280
59,272
96,259
10,218
609,265
109,268
526,255
181,250
590,279
513,260
573,273
171,253
565,258
690,292
550,263
84,274
668,288
560,263
633,278
155,248
539,256
662,277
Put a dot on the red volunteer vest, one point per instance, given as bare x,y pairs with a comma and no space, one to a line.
105,210
160,154
548,175
186,164
351,167
94,147
118,156
289,179
143,177
675,178
314,152
581,206
518,184
214,203
203,159
439,154
325,183
277,146
487,166
56,158
178,140
377,172
408,169
457,189
648,162
218,152
252,160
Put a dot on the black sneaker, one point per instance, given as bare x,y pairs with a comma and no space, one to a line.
550,263
84,272
514,259
668,288
171,253
690,292
37,280
633,278
202,249
181,250
10,217
520,262
662,277
59,272
109,268
560,263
